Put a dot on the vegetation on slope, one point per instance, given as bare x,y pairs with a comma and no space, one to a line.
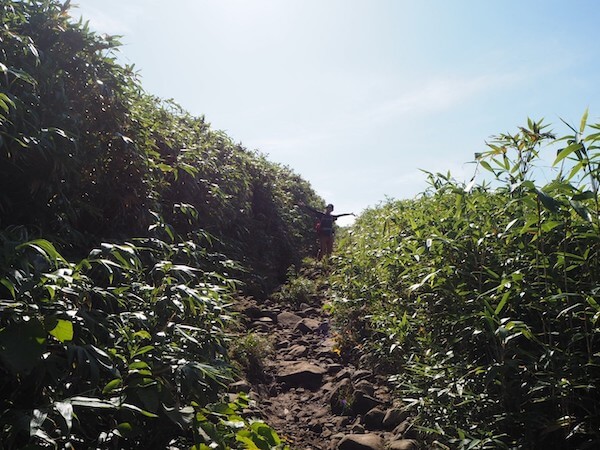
87,156
123,223
483,304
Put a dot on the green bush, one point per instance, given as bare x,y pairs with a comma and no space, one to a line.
124,221
248,353
87,156
483,304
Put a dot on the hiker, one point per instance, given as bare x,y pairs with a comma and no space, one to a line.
324,228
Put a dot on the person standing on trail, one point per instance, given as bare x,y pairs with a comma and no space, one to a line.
324,228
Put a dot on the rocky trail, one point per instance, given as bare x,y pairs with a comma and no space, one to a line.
309,395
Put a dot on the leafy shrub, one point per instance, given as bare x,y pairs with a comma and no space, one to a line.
297,290
87,156
483,304
123,221
108,342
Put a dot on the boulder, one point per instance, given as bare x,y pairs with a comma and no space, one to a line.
266,320
363,402
365,387
298,351
344,373
310,311
240,386
373,420
305,326
334,368
282,344
271,313
394,417
361,375
401,429
288,319
259,326
367,441
301,373
253,312
342,397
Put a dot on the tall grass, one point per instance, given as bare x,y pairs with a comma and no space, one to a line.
483,304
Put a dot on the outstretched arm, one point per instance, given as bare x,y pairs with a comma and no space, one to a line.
308,208
345,214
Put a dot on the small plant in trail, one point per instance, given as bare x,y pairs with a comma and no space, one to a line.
248,353
298,289
483,305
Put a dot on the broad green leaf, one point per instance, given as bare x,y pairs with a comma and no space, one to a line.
114,403
587,195
35,426
63,331
582,211
510,225
238,424
44,248
266,432
37,419
165,167
575,170
10,286
139,365
4,106
502,303
142,350
548,202
124,428
487,166
112,385
91,402
201,447
245,438
562,154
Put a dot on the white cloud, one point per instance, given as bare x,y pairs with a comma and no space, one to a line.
438,94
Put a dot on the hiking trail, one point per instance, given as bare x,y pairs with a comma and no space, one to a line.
308,394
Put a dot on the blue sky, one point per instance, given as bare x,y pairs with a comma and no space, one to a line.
358,95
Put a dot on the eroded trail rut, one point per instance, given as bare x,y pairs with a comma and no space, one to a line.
309,395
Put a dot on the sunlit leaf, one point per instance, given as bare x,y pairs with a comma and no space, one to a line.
583,121
65,409
565,152
112,385
63,331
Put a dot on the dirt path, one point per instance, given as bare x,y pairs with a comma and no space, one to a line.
309,395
